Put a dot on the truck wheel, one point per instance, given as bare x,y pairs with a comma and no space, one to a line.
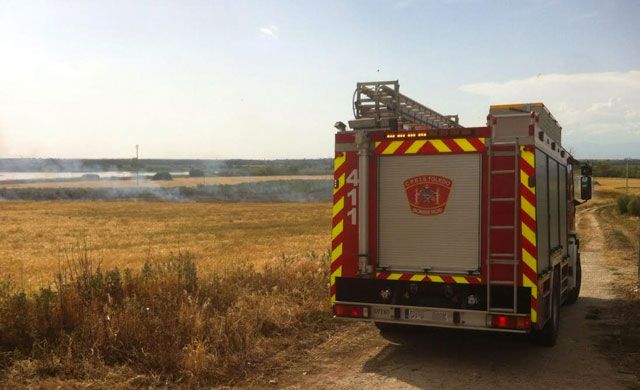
575,292
386,327
548,335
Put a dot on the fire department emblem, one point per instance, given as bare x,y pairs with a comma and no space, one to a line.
427,194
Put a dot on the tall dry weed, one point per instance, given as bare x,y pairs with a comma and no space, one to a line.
162,321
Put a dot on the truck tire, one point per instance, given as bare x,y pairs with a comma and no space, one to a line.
548,335
386,327
389,329
572,297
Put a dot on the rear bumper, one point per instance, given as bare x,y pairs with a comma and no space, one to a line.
433,316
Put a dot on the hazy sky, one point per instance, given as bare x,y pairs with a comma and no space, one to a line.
267,79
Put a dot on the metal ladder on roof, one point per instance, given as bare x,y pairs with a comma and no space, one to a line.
382,99
506,149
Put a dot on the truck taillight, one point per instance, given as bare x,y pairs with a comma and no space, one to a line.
510,322
351,311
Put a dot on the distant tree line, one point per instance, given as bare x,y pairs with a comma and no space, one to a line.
615,168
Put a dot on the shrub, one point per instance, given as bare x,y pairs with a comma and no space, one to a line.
162,176
164,322
90,176
195,172
623,202
633,206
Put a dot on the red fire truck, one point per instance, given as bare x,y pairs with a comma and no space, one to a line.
441,225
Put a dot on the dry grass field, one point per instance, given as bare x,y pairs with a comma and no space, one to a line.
616,184
177,182
137,311
36,236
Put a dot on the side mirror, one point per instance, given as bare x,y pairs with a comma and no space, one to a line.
585,187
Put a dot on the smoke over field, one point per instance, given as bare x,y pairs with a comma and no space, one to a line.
259,190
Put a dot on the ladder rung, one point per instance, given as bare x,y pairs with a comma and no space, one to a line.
501,255
502,154
503,199
502,309
503,171
504,261
502,227
502,282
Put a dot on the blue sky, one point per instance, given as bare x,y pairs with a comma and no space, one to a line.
267,79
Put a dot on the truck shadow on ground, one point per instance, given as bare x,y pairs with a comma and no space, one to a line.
428,357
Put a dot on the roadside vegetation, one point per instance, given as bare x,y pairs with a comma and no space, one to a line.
618,213
629,204
162,324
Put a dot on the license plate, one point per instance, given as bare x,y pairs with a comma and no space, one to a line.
422,315
382,312
440,316
412,314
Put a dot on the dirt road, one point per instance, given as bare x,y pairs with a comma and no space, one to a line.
359,357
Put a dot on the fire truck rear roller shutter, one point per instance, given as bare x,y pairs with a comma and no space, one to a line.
447,242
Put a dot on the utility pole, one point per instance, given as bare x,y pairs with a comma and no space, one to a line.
627,184
137,166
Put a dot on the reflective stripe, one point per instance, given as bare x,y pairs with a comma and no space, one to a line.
428,278
528,234
335,274
528,208
524,180
528,157
337,229
415,146
336,252
338,206
341,181
436,278
393,146
529,260
439,145
526,282
465,144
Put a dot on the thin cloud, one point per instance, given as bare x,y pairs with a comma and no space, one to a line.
595,109
270,30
